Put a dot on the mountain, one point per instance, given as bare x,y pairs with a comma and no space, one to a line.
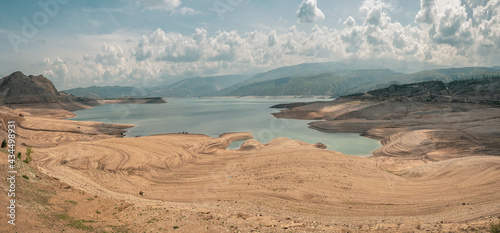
342,80
192,87
305,69
104,92
18,88
330,78
333,84
199,86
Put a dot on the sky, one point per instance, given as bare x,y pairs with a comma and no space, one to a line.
147,42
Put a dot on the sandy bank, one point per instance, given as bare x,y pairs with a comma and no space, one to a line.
192,182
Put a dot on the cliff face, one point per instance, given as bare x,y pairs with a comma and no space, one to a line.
17,88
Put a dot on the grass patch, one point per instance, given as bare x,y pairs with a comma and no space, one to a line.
72,202
120,229
79,224
62,217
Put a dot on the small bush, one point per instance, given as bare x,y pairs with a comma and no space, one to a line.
19,155
176,227
4,143
28,158
26,177
495,228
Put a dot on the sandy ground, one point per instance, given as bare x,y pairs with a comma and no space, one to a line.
85,177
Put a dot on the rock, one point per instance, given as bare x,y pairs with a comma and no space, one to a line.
251,144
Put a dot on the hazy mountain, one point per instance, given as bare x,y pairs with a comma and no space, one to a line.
104,92
333,83
301,70
331,78
199,86
342,80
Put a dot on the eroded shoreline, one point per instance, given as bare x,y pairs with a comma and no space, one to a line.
281,186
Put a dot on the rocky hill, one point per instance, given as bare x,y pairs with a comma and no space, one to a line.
17,88
480,91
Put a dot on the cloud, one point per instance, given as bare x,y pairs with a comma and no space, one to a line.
309,12
374,11
56,70
349,22
427,13
187,11
167,5
453,26
458,33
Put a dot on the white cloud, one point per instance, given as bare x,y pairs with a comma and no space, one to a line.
374,11
167,5
309,12
57,71
187,11
460,33
349,22
427,13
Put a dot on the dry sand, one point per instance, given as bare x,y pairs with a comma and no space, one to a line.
85,177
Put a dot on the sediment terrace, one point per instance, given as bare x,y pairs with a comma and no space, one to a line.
280,186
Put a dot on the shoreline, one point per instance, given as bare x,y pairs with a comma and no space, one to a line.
193,174
424,131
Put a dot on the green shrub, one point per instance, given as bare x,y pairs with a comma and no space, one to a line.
495,228
4,143
19,155
28,158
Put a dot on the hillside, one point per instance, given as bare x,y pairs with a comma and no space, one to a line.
344,80
104,92
332,79
17,88
198,86
321,84
478,91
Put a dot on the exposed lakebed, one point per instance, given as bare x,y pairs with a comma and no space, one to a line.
215,116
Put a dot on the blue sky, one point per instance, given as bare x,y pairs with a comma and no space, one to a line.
142,42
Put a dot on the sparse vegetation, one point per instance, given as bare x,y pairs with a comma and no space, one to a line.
19,155
495,228
26,177
28,158
79,224
72,202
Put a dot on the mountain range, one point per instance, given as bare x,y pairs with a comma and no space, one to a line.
326,79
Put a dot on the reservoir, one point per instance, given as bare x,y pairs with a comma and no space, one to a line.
214,116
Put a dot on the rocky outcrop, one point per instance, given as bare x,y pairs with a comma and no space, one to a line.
477,91
17,88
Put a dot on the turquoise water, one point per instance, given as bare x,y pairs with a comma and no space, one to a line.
215,116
